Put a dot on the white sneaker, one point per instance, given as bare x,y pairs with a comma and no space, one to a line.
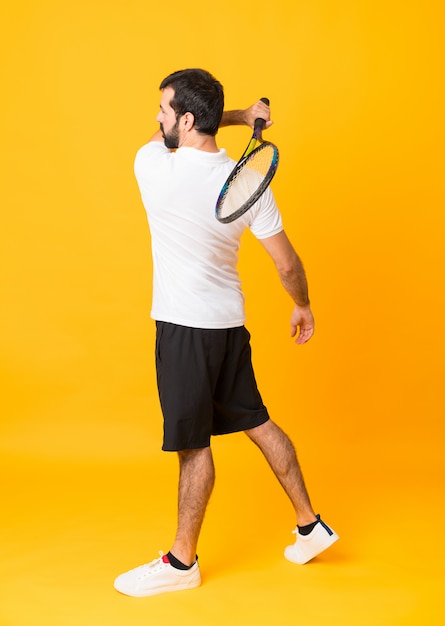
157,577
308,546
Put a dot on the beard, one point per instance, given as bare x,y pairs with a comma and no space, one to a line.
171,139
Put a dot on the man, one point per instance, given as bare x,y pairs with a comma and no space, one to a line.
205,378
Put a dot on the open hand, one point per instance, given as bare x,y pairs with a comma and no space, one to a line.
302,320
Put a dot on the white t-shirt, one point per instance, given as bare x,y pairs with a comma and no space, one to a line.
196,281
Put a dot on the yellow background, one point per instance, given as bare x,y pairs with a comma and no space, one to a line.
357,98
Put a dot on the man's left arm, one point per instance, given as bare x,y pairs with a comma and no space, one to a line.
293,278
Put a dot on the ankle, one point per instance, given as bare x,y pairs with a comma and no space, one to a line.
308,518
187,557
178,564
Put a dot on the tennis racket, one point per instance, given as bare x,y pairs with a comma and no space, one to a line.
250,177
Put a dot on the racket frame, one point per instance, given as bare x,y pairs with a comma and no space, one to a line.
249,153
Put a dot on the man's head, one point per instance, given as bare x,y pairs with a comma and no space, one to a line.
197,92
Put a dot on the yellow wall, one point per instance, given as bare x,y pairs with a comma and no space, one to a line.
357,98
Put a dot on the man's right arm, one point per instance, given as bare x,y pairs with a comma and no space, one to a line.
238,117
247,117
156,137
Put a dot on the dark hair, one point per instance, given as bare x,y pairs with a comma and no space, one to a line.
199,93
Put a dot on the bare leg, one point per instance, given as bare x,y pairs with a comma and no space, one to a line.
196,480
281,456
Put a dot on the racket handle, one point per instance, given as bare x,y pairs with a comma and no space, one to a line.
259,122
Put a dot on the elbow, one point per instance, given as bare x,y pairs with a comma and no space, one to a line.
289,266
286,273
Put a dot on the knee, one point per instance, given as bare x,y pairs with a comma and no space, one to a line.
194,456
263,431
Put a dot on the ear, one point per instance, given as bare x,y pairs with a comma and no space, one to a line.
188,121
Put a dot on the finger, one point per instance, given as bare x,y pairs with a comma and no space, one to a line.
305,335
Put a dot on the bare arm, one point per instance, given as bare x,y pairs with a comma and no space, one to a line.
247,117
293,278
239,117
157,136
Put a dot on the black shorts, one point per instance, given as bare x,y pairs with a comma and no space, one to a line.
206,384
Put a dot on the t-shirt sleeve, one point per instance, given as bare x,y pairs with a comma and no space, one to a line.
147,160
265,217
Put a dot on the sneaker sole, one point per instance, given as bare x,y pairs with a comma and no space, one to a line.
157,590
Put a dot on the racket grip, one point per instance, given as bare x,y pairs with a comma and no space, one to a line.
259,122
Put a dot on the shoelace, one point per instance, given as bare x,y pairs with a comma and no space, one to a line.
150,568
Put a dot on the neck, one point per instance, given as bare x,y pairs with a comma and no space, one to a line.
206,143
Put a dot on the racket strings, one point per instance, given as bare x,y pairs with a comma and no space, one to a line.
248,179
259,161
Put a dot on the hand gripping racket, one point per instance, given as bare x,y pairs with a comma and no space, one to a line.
250,177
